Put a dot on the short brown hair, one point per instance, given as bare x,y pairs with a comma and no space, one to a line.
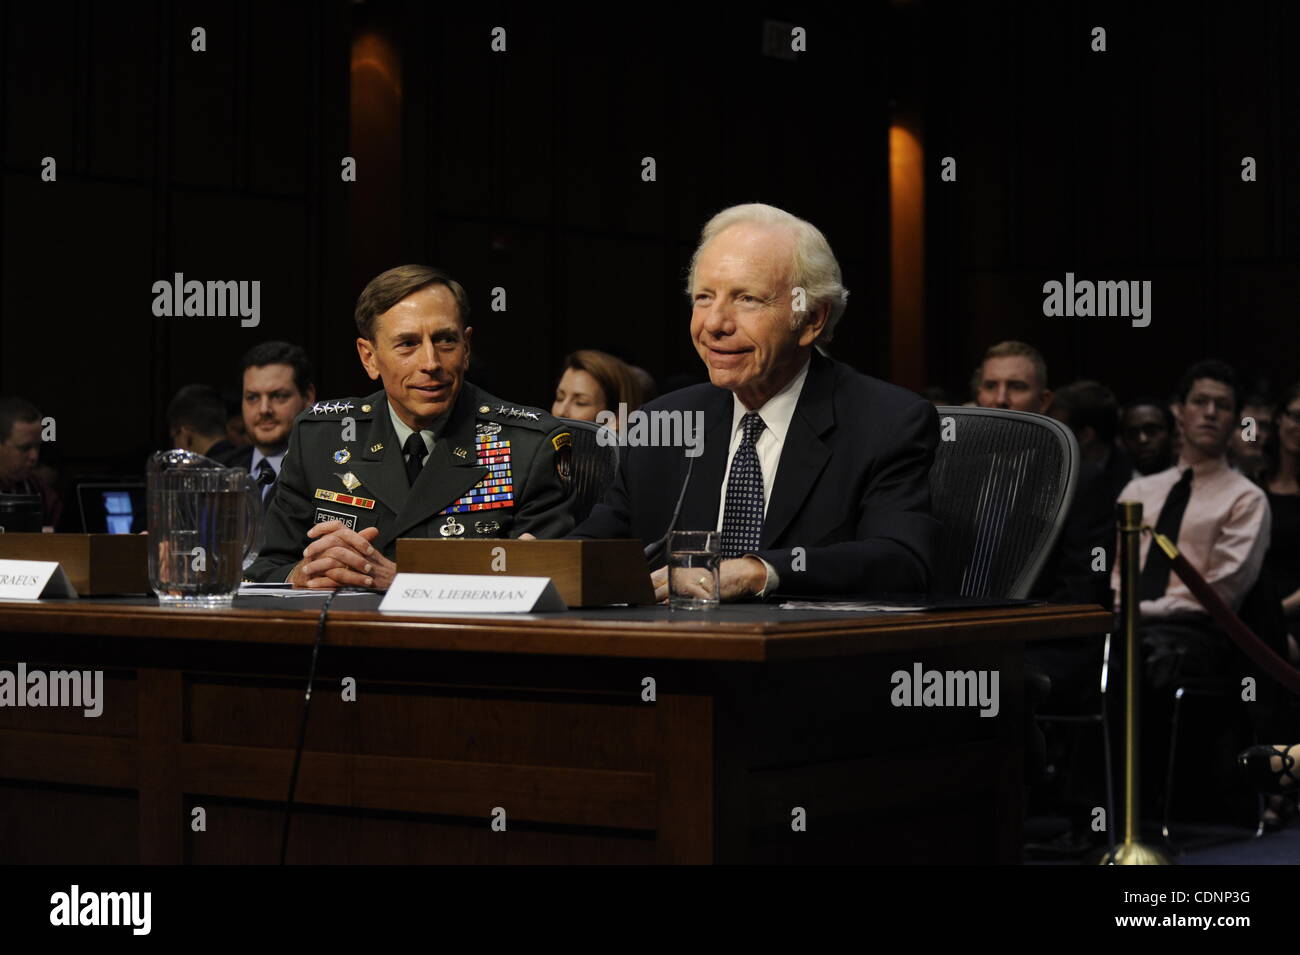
388,288
13,410
613,375
1014,349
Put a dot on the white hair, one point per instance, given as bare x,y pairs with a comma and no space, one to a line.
813,267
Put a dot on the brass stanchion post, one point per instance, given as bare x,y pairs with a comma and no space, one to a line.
1131,851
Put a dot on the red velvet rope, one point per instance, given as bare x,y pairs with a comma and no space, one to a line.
1251,645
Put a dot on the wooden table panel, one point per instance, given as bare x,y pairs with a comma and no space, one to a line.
755,712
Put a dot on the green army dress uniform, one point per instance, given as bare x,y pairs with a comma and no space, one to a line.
496,470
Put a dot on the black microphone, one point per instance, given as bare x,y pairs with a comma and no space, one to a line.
654,548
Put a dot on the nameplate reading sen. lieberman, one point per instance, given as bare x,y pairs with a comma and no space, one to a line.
470,593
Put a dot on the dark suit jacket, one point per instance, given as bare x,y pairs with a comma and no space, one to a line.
312,477
243,458
852,485
224,452
1068,575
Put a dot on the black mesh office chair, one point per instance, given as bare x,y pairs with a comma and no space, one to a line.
592,468
1001,485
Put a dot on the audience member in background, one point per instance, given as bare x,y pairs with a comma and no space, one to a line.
20,450
277,386
1091,411
1248,456
1281,482
1221,523
1219,520
1146,430
196,421
593,382
1073,572
936,395
1078,571
236,433
1013,375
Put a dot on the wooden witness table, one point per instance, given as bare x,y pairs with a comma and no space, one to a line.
758,713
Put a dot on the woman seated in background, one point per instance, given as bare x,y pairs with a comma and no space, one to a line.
1272,768
593,382
1281,479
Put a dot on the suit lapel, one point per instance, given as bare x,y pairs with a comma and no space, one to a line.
803,455
700,508
382,472
446,475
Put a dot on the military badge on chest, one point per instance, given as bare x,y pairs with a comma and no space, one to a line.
496,489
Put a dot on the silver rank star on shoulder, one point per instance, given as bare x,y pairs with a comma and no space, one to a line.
331,407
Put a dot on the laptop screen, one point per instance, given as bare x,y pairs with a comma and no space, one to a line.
112,508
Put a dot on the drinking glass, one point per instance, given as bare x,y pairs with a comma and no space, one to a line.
693,560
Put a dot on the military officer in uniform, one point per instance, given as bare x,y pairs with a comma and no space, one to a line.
430,455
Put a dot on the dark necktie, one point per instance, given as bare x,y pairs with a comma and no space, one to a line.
265,478
415,450
742,516
1155,574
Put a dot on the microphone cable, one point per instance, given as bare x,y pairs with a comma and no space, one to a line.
653,548
306,711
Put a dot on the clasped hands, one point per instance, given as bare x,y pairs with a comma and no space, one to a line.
341,557
738,577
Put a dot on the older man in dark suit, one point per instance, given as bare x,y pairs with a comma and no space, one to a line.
816,476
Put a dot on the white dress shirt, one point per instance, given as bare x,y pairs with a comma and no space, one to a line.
776,413
1224,533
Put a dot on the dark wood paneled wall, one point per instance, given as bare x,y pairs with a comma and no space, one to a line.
523,171
220,164
520,170
1117,165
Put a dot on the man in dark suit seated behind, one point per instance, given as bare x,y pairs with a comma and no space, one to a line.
817,476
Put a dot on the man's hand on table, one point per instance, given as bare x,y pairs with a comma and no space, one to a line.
737,578
341,557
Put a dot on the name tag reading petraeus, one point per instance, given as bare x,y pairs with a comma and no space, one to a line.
33,579
469,593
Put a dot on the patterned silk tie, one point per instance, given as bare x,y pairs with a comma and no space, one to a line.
742,517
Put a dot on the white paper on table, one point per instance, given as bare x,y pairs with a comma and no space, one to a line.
849,606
